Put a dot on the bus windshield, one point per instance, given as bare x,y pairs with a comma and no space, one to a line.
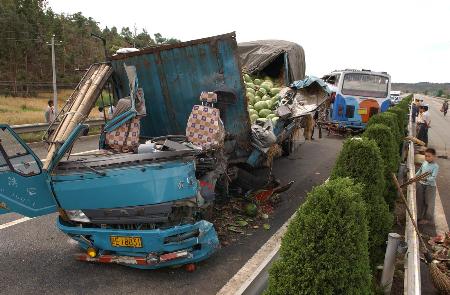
359,84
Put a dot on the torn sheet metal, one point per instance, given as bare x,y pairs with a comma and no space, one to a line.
304,96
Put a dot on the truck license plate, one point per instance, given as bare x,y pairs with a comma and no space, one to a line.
131,242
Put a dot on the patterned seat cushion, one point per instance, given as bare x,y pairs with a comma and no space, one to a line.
204,127
126,137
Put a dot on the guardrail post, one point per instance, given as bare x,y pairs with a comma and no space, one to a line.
389,262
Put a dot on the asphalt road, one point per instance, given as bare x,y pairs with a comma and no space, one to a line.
37,259
439,138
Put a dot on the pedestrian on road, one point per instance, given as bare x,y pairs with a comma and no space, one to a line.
423,124
444,108
50,114
426,189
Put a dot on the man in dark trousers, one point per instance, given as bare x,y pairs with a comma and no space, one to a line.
444,108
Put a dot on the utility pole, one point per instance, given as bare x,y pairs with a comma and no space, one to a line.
55,94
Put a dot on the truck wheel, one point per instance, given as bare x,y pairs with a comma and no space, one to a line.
247,181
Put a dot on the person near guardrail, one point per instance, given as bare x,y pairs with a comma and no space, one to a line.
50,114
426,189
414,110
423,124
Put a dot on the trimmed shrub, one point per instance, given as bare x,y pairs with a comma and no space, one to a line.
324,250
401,118
385,141
383,137
360,159
389,120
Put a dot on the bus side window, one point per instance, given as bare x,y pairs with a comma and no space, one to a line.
350,111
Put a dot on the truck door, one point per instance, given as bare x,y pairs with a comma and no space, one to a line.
24,186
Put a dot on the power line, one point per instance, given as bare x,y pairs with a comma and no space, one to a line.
16,39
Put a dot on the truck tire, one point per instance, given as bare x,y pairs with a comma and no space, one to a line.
248,181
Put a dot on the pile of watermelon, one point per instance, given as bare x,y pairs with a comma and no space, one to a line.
263,98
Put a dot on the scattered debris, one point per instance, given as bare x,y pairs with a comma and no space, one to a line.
440,248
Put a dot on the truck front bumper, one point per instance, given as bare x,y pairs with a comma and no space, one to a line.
159,247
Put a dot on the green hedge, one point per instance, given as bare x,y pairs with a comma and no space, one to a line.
385,141
389,120
360,159
324,250
401,118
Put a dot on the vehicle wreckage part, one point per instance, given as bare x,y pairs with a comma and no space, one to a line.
176,245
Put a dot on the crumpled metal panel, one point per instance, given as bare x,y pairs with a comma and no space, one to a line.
173,76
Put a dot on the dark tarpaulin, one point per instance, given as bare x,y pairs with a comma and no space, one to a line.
257,55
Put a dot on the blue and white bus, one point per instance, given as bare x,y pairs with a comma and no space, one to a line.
357,95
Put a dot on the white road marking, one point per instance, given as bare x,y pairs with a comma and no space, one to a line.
11,223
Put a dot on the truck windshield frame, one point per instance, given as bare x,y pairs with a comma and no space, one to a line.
365,85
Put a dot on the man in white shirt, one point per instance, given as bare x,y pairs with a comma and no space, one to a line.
50,112
423,123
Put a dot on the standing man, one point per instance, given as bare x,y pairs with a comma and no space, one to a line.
423,123
414,110
426,189
50,114
444,108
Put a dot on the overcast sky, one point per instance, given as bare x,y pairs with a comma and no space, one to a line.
408,39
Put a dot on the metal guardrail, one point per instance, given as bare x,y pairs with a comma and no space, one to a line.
38,127
412,282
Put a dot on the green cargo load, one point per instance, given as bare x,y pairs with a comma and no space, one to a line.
264,113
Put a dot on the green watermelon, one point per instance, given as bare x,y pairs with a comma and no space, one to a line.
274,91
265,97
262,119
271,116
261,92
252,112
250,85
260,105
275,119
257,98
253,117
264,113
251,210
251,90
267,85
257,82
247,78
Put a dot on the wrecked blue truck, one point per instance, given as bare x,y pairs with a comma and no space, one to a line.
148,205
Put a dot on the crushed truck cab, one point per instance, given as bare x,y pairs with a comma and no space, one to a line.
137,210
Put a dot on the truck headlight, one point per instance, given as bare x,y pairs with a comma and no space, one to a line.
77,215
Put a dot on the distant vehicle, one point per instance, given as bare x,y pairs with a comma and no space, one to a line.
356,96
395,97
